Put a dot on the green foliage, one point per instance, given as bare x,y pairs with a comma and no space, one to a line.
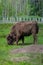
1,8
35,8
12,8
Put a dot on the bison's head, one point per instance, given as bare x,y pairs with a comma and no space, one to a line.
10,39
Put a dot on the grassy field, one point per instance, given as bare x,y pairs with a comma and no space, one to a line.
5,56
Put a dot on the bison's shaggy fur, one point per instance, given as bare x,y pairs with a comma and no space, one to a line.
21,29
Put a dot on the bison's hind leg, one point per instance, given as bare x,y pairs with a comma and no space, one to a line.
35,38
23,40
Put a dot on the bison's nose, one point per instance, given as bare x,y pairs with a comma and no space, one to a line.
9,44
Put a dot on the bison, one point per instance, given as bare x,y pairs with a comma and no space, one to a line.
21,29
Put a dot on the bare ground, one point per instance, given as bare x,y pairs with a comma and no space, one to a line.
26,49
29,48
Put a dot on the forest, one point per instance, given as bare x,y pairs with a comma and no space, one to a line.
16,8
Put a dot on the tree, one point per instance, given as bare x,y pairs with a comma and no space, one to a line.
1,8
36,7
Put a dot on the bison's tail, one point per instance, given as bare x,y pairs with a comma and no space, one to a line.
37,28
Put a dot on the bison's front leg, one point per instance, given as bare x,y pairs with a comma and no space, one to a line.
17,38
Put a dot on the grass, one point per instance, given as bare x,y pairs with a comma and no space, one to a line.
5,56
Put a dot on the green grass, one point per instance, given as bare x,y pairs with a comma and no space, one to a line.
5,56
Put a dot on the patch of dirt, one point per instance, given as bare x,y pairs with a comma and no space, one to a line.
28,49
20,59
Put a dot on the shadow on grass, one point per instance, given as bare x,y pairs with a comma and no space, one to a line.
24,44
2,36
20,44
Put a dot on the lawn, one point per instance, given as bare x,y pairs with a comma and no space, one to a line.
5,56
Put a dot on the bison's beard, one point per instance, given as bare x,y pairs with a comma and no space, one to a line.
10,40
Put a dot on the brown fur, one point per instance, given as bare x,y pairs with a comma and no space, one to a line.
21,29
